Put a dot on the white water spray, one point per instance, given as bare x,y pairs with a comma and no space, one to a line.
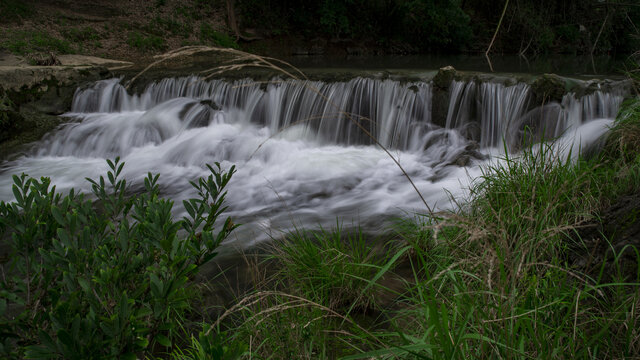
301,160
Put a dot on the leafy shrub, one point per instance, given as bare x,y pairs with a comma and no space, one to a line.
109,278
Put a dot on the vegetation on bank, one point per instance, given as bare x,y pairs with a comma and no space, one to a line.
120,30
110,278
531,27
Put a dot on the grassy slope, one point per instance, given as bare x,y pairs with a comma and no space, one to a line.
120,29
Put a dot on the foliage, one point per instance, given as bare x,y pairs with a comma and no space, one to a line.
569,26
625,140
210,347
532,26
436,25
106,278
14,10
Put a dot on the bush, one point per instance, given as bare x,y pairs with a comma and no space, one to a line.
110,278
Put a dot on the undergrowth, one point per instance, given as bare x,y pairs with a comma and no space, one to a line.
104,278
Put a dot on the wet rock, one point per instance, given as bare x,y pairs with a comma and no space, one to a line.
470,152
548,88
210,103
440,97
444,77
471,131
31,96
536,125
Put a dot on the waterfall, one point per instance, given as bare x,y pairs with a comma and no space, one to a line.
305,151
506,113
395,114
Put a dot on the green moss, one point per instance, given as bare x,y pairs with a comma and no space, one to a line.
209,35
146,43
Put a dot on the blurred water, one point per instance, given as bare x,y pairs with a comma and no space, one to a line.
301,159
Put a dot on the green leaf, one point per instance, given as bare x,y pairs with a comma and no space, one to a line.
84,284
125,309
142,343
128,356
163,340
156,285
57,214
65,338
17,194
47,341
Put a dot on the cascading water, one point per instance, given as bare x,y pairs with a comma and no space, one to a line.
301,148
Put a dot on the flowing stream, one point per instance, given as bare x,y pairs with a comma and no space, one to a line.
301,148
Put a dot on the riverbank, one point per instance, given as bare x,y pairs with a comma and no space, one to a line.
32,96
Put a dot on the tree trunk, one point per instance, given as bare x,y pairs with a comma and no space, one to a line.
231,16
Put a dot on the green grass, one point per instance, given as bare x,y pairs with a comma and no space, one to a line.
332,268
28,42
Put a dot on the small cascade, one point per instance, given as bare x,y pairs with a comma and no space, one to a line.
305,150
395,114
492,112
